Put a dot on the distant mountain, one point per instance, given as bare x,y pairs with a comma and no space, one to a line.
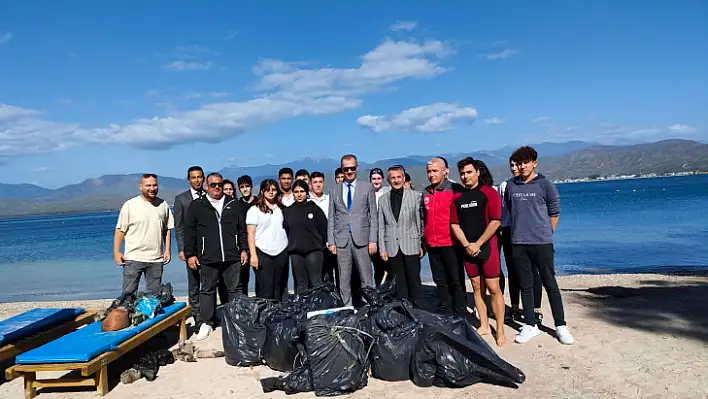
579,160
668,156
22,191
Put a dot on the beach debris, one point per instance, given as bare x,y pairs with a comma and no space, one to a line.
147,366
117,319
243,329
187,352
130,302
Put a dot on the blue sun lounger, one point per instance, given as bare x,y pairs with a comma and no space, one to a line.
90,350
38,326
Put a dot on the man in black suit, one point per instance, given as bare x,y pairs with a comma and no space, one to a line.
195,176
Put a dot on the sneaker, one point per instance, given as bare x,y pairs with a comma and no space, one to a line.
204,332
539,317
564,335
527,333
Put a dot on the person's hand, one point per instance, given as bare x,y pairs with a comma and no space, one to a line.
193,263
384,256
422,253
181,256
244,257
254,261
333,249
166,257
118,257
472,249
372,248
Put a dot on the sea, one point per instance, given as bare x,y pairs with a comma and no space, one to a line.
621,226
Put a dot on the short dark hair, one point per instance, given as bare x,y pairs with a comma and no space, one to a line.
227,181
375,171
348,156
245,179
285,171
194,169
317,174
464,162
302,172
408,177
302,185
338,171
524,154
215,174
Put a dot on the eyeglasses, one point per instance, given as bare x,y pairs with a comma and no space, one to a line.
349,169
215,185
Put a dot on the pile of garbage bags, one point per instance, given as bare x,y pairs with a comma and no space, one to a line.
141,305
332,352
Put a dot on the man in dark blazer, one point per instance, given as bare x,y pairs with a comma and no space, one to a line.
352,227
401,234
195,176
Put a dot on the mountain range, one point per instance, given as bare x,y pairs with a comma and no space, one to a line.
575,159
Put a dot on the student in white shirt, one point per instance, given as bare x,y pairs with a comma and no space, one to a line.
285,177
319,197
268,242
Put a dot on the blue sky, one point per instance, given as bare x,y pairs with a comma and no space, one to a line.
91,88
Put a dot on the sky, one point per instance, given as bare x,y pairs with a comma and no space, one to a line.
91,88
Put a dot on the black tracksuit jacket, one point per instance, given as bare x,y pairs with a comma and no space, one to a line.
212,238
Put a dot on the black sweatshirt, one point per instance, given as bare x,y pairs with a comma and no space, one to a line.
306,226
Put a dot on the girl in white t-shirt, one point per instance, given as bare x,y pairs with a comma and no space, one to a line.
268,243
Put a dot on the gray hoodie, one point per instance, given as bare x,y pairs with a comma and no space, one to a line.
531,206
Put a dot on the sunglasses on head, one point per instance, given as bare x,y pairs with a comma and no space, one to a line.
149,176
215,185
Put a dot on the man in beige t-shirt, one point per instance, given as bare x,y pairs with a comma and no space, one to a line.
144,223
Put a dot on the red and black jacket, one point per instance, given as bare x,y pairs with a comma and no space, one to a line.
435,212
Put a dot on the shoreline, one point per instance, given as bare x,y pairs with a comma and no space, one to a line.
635,333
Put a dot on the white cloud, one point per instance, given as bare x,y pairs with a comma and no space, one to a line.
230,35
679,128
494,121
541,119
42,169
432,118
403,26
510,52
6,37
194,52
188,66
285,90
214,94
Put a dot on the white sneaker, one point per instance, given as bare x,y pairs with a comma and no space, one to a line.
527,333
564,335
204,332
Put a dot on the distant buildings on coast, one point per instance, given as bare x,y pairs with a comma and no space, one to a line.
627,177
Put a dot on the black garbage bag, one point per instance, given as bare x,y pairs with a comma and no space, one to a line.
147,366
280,349
295,381
337,353
396,334
243,329
381,295
323,297
445,359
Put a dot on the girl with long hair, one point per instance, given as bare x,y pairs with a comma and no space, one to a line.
268,242
306,226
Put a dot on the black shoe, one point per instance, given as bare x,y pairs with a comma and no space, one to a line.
539,317
516,314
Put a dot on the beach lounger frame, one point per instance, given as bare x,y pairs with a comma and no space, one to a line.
95,371
40,338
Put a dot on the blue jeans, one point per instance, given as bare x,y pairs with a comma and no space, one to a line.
131,276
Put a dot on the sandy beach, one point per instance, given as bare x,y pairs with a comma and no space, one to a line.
637,336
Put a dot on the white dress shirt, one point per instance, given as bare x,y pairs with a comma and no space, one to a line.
322,202
345,190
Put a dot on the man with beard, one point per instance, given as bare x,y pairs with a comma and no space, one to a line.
195,177
215,242
144,223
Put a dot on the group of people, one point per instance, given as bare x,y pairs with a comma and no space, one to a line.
359,234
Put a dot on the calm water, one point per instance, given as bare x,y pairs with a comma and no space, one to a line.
622,226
